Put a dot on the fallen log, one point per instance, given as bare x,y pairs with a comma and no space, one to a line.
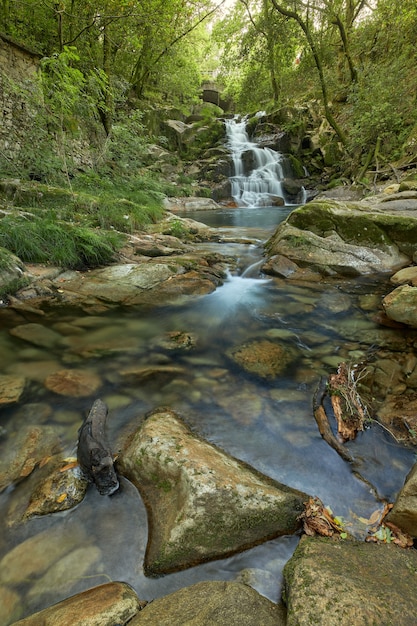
93,452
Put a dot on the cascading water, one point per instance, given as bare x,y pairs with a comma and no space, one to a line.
258,172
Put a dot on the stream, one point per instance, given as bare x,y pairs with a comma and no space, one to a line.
269,425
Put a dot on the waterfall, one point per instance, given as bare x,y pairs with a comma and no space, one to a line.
258,172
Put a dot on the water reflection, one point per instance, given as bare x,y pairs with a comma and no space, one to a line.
268,424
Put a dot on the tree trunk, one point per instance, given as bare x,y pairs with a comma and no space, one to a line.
304,26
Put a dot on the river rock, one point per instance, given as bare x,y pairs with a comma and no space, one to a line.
63,576
340,583
404,511
75,383
11,270
190,204
36,555
346,238
406,275
10,605
202,503
37,334
105,605
212,603
401,305
19,457
60,486
264,358
11,389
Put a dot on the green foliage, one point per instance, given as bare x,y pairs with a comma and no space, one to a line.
44,240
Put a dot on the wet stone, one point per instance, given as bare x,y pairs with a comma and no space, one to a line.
63,576
37,334
216,603
264,358
76,383
29,447
202,503
104,605
11,389
10,605
35,555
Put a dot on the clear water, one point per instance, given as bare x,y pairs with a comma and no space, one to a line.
269,425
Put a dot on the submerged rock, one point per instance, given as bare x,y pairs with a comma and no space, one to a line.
202,503
212,603
77,383
105,605
340,583
264,358
11,389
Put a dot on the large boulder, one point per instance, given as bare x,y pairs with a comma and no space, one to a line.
346,238
202,503
340,583
211,603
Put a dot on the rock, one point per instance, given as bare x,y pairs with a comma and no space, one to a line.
190,204
346,238
59,486
340,583
105,605
20,456
11,606
37,334
212,604
401,305
202,504
11,389
75,383
264,358
36,555
404,512
11,270
64,575
406,275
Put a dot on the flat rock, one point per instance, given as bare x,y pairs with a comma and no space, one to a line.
262,357
105,605
340,583
404,512
37,335
76,383
202,503
212,603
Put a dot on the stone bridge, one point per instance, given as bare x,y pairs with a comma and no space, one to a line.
211,91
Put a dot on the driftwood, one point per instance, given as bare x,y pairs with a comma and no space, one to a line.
328,436
93,453
323,423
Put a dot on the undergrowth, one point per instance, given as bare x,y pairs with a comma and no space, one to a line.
44,240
